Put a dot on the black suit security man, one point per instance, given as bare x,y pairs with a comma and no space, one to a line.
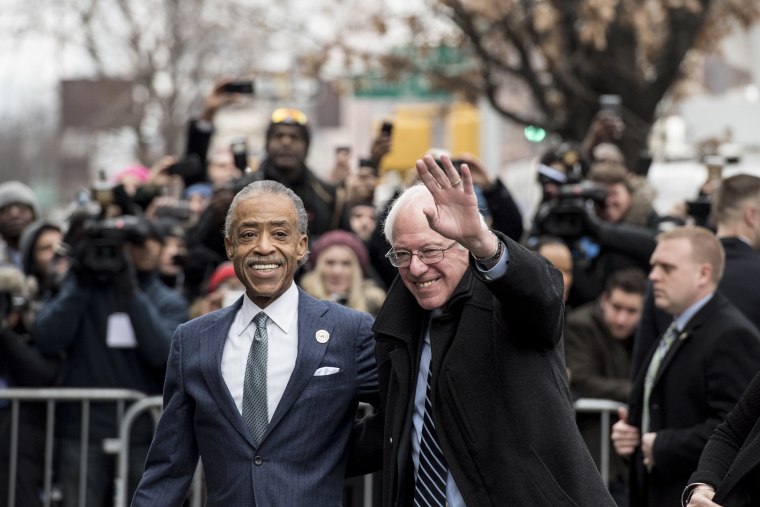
694,375
736,215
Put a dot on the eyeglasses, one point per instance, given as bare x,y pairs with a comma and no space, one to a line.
289,115
428,255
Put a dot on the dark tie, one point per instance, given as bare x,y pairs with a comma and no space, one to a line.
430,487
255,409
654,366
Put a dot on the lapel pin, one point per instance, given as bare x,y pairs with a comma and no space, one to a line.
322,336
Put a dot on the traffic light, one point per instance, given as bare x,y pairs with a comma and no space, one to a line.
534,134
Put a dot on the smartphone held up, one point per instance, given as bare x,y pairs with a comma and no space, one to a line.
245,87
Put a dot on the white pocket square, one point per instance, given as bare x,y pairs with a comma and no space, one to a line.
326,370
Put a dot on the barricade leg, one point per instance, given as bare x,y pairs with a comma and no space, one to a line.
84,453
13,458
48,477
605,447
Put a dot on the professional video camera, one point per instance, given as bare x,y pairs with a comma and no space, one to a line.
180,211
102,243
572,213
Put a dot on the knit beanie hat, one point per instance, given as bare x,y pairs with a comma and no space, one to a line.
224,271
204,189
343,238
140,172
15,192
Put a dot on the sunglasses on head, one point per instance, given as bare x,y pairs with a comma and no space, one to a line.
289,115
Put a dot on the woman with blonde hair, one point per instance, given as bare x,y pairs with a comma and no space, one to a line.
339,261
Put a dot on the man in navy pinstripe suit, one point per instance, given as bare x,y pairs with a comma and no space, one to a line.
319,364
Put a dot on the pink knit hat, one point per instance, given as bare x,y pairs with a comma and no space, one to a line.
340,237
142,173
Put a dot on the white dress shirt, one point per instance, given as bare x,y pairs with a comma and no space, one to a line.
282,348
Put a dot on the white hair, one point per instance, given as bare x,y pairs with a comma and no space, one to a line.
418,194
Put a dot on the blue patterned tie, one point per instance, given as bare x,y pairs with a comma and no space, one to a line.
654,366
255,408
430,487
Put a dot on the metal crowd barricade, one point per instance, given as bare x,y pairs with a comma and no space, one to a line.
141,404
603,408
51,397
154,405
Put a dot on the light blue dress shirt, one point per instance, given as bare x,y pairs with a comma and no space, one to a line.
685,317
453,496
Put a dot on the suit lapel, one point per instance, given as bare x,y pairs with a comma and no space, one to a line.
310,352
680,339
691,327
212,347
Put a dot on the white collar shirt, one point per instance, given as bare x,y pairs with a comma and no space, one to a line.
282,330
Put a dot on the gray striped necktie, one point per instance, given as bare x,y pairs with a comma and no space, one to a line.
430,487
654,366
255,408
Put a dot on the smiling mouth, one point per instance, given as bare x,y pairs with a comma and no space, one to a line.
425,285
263,266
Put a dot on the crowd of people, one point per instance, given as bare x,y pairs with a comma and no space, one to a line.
469,333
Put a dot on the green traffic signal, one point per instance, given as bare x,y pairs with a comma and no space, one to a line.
534,134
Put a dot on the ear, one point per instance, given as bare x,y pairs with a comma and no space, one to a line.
228,247
705,273
751,215
302,247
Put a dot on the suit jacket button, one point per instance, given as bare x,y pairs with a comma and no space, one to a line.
257,460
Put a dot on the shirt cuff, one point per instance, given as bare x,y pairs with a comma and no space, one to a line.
689,490
497,270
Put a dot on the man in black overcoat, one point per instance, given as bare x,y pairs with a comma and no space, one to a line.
476,406
692,377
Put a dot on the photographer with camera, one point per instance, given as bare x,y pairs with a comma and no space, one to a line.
22,365
591,216
114,319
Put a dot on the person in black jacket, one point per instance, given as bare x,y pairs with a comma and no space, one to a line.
287,145
736,215
22,365
693,377
219,166
471,363
114,319
728,471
